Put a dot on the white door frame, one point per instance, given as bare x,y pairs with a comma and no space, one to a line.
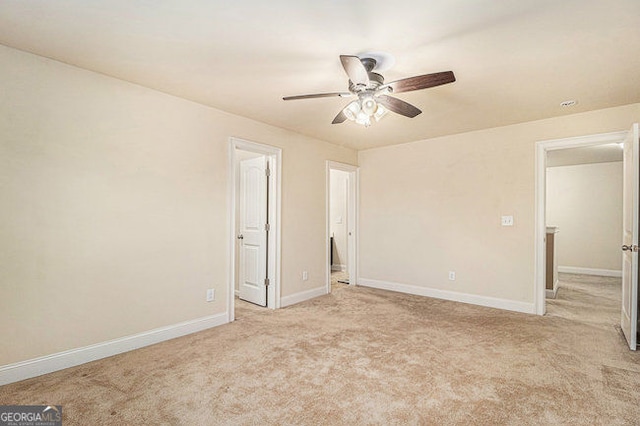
352,221
540,201
274,155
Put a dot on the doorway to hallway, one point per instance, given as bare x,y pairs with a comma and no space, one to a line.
629,289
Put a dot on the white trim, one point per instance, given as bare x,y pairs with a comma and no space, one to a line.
541,148
275,219
473,299
338,268
352,221
302,296
353,267
590,271
551,294
59,361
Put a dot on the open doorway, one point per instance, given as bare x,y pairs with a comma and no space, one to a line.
580,204
254,215
584,225
338,227
341,225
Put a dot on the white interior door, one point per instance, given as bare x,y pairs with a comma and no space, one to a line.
629,321
252,226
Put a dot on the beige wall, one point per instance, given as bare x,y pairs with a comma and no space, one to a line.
339,181
434,206
113,207
585,202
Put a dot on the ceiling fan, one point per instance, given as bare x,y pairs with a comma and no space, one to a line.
373,94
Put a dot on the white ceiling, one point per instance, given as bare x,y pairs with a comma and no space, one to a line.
515,60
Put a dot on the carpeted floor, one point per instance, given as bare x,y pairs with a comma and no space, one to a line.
337,276
364,356
589,299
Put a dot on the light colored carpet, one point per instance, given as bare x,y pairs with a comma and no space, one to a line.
589,299
364,356
338,276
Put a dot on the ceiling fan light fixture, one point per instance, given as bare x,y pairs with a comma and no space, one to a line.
363,119
363,110
380,112
352,110
369,105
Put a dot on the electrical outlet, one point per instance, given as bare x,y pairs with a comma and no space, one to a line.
452,275
305,275
507,220
211,295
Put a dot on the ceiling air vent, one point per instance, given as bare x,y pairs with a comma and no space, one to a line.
570,103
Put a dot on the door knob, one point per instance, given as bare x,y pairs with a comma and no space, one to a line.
241,237
630,247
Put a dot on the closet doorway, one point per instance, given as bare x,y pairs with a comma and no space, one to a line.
342,184
254,214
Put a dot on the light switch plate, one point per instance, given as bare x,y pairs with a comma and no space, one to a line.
507,220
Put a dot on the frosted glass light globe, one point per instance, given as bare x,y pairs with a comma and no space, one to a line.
352,110
369,105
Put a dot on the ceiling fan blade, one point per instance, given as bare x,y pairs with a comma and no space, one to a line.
318,95
398,106
422,81
340,118
355,70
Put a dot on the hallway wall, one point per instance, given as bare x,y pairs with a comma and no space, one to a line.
585,202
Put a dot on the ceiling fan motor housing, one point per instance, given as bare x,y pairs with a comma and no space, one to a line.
375,80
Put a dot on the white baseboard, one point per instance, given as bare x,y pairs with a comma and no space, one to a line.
59,361
492,302
336,268
302,296
590,271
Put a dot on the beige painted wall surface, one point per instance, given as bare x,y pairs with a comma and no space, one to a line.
434,206
338,216
585,202
113,207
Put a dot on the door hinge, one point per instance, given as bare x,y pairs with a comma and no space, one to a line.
266,282
267,172
267,227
